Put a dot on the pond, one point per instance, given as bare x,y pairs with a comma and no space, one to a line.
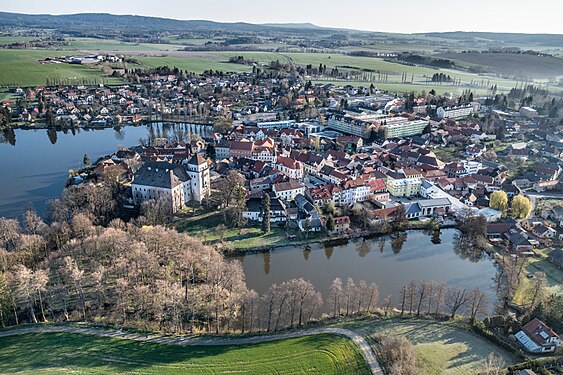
34,164
390,263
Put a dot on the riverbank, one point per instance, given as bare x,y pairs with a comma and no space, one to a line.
252,239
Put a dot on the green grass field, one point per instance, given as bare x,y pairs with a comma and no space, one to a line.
441,348
196,63
89,44
63,353
205,228
21,68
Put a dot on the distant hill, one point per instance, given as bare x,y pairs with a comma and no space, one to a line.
85,24
308,26
551,40
134,24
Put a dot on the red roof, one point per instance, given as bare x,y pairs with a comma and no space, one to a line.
538,331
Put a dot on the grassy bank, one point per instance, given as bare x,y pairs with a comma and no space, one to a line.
63,353
441,347
242,239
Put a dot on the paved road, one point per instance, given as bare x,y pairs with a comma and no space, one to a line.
195,340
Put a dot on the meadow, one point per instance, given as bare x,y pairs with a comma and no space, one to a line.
441,347
22,68
63,353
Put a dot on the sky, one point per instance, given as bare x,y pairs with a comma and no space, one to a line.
404,16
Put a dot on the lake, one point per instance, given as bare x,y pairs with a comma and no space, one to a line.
34,164
388,263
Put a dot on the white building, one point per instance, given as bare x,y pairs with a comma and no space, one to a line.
537,337
404,129
178,183
276,124
288,190
161,180
289,167
455,112
528,112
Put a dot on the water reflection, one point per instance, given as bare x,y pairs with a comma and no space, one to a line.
397,242
52,134
401,258
8,136
363,247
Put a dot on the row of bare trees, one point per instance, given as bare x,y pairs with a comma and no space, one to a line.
431,298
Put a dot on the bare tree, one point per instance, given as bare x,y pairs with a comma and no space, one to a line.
398,355
440,297
431,296
373,297
455,298
350,295
422,295
477,302
537,289
361,292
494,365
336,295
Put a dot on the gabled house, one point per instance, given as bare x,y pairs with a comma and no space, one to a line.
520,244
288,190
537,337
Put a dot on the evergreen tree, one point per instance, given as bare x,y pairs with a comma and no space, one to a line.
330,224
266,214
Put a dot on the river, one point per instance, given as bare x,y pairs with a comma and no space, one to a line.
34,164
384,261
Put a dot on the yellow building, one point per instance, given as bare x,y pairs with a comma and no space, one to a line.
403,187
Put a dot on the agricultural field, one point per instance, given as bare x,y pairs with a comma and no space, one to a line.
21,68
442,348
63,353
540,67
92,44
196,62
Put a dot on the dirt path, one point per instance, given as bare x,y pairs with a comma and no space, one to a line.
209,341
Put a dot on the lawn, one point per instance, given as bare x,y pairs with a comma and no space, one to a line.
553,273
205,228
21,68
63,353
442,348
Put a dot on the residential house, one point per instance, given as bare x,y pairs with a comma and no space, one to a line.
544,232
341,224
290,167
537,337
288,190
254,210
519,243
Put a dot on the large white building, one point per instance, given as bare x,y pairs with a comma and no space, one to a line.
180,183
456,112
404,128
